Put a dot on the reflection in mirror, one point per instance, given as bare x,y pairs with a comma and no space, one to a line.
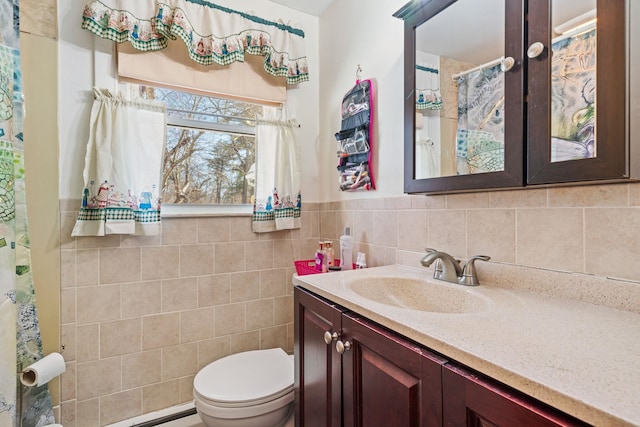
573,80
460,90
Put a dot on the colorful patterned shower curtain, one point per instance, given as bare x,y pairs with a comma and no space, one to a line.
20,343
480,135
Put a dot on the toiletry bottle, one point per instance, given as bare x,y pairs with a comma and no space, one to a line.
346,250
320,257
330,256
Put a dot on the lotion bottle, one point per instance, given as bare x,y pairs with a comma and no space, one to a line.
346,250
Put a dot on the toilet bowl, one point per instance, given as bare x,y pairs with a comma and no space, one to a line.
249,389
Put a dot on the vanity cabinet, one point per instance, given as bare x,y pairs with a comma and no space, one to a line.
380,379
565,71
384,379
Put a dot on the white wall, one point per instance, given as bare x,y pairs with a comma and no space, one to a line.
86,61
356,32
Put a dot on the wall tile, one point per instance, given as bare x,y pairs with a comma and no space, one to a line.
230,319
328,225
246,341
109,241
68,383
468,201
137,241
67,221
160,262
140,369
68,341
98,303
98,378
88,413
141,298
240,230
612,246
186,389
161,395
530,198
120,337
68,413
447,231
196,260
245,286
259,314
212,350
588,195
176,231
67,269
160,331
230,257
88,342
179,361
634,193
310,227
273,283
213,230
397,203
214,290
428,202
413,231
492,232
88,267
39,17
385,228
362,229
196,325
120,406
283,253
283,310
260,255
559,231
179,294
119,265
67,305
275,337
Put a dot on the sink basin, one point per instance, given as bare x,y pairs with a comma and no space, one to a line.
421,295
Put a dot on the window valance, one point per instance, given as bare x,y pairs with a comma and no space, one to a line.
212,34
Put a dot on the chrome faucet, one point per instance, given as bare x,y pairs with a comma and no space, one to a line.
448,268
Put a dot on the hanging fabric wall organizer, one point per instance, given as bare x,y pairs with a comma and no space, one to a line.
355,145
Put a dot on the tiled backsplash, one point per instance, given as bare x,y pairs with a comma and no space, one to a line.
141,315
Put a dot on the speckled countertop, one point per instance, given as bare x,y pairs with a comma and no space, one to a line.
580,357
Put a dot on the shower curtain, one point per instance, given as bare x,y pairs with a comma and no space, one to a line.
277,201
480,134
20,342
123,167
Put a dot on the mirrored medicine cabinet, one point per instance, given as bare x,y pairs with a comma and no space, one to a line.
513,93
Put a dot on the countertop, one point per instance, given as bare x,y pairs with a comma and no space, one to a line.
580,357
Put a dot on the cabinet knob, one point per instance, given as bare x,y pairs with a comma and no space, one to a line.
330,337
341,347
507,64
535,50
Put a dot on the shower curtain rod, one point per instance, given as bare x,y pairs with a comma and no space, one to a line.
479,67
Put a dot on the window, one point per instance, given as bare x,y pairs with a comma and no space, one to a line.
209,157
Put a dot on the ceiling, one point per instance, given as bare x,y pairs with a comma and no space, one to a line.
312,7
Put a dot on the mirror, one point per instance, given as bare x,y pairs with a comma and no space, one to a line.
573,80
459,124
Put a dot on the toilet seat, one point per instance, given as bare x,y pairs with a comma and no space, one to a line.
246,379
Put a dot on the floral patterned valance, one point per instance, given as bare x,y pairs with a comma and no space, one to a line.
210,32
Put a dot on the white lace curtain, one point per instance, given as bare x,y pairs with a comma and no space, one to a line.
277,201
212,34
123,167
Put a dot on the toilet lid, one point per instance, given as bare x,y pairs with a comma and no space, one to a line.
246,377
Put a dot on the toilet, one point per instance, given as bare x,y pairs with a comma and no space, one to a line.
249,389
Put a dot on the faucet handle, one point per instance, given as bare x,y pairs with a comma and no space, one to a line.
437,266
469,276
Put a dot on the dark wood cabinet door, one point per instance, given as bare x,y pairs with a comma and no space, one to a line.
388,381
470,400
318,380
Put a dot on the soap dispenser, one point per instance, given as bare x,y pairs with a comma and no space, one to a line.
346,250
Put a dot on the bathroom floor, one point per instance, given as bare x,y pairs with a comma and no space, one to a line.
194,421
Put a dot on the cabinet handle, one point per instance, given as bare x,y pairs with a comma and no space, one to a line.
507,64
330,337
341,347
535,50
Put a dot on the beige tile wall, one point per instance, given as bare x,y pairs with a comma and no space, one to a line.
141,315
